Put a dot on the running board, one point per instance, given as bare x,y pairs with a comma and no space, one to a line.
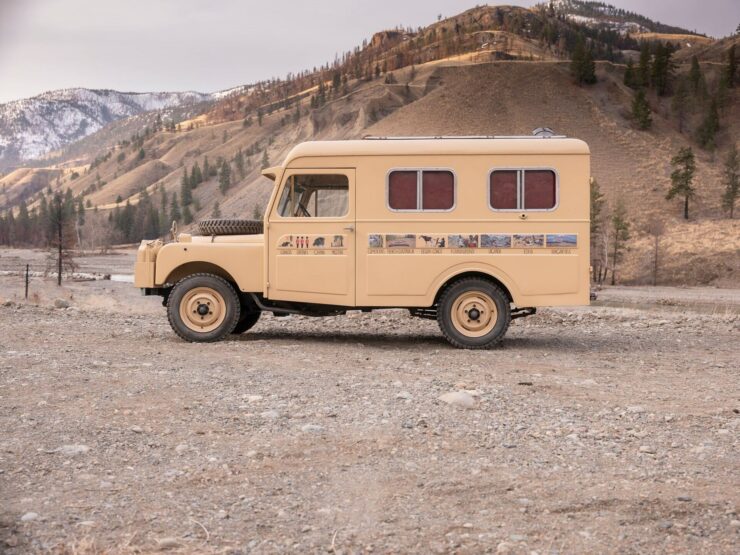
522,312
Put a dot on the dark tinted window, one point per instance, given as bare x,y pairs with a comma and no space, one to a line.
438,190
503,192
402,190
539,190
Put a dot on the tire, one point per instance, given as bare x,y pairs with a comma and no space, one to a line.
491,306
230,227
203,308
247,322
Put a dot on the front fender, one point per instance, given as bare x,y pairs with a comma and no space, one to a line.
240,263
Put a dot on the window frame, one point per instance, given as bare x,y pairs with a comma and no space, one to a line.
419,189
290,178
520,171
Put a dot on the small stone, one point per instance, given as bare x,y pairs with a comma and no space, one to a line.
12,541
403,395
253,398
518,538
665,525
685,498
222,514
312,428
168,543
270,414
648,449
61,303
458,399
28,517
735,523
636,409
181,448
73,450
137,429
504,548
468,525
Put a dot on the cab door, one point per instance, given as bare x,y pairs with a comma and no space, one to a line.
312,238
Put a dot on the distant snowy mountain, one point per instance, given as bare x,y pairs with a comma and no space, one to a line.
33,127
607,16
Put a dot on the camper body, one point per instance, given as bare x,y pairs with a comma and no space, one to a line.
470,231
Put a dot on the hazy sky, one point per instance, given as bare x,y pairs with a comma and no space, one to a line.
208,45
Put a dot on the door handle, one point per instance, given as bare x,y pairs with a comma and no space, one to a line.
349,228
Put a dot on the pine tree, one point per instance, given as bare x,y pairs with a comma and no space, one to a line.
80,212
216,212
582,64
629,75
707,131
265,160
259,116
224,178
682,177
206,168
641,111
680,104
731,68
196,176
239,159
732,182
696,78
643,68
187,216
621,231
142,154
175,214
186,191
662,70
597,205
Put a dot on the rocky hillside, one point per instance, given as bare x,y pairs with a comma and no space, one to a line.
34,127
490,70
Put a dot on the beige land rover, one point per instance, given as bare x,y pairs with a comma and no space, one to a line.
470,231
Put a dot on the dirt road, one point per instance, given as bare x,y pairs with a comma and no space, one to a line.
593,430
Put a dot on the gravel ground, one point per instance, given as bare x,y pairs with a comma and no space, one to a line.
602,429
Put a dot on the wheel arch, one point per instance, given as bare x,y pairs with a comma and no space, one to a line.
500,280
199,267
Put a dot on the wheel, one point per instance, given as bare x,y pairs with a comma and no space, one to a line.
203,308
230,227
247,322
473,313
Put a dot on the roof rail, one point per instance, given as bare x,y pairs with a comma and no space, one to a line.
541,135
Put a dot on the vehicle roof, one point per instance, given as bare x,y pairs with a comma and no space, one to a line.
438,146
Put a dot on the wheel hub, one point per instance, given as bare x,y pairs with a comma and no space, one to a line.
474,313
202,309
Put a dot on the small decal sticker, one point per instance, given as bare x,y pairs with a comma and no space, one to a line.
375,241
399,241
563,241
431,241
528,241
495,241
462,241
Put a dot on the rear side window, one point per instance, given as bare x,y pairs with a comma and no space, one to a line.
523,190
421,190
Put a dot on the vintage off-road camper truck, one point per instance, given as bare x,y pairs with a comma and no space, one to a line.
470,231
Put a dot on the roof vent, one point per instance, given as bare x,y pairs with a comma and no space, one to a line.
544,132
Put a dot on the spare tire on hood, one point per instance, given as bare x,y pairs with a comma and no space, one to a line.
230,227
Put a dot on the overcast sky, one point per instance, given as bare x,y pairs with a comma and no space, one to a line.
208,45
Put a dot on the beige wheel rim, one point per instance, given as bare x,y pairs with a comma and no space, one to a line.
202,309
474,314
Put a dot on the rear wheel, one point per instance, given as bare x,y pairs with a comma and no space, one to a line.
203,308
473,313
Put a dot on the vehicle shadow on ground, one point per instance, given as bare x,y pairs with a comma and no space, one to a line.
554,341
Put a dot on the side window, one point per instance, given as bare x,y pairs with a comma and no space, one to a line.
415,190
522,190
315,196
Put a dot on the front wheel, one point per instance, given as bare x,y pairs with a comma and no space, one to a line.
203,308
473,313
247,322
